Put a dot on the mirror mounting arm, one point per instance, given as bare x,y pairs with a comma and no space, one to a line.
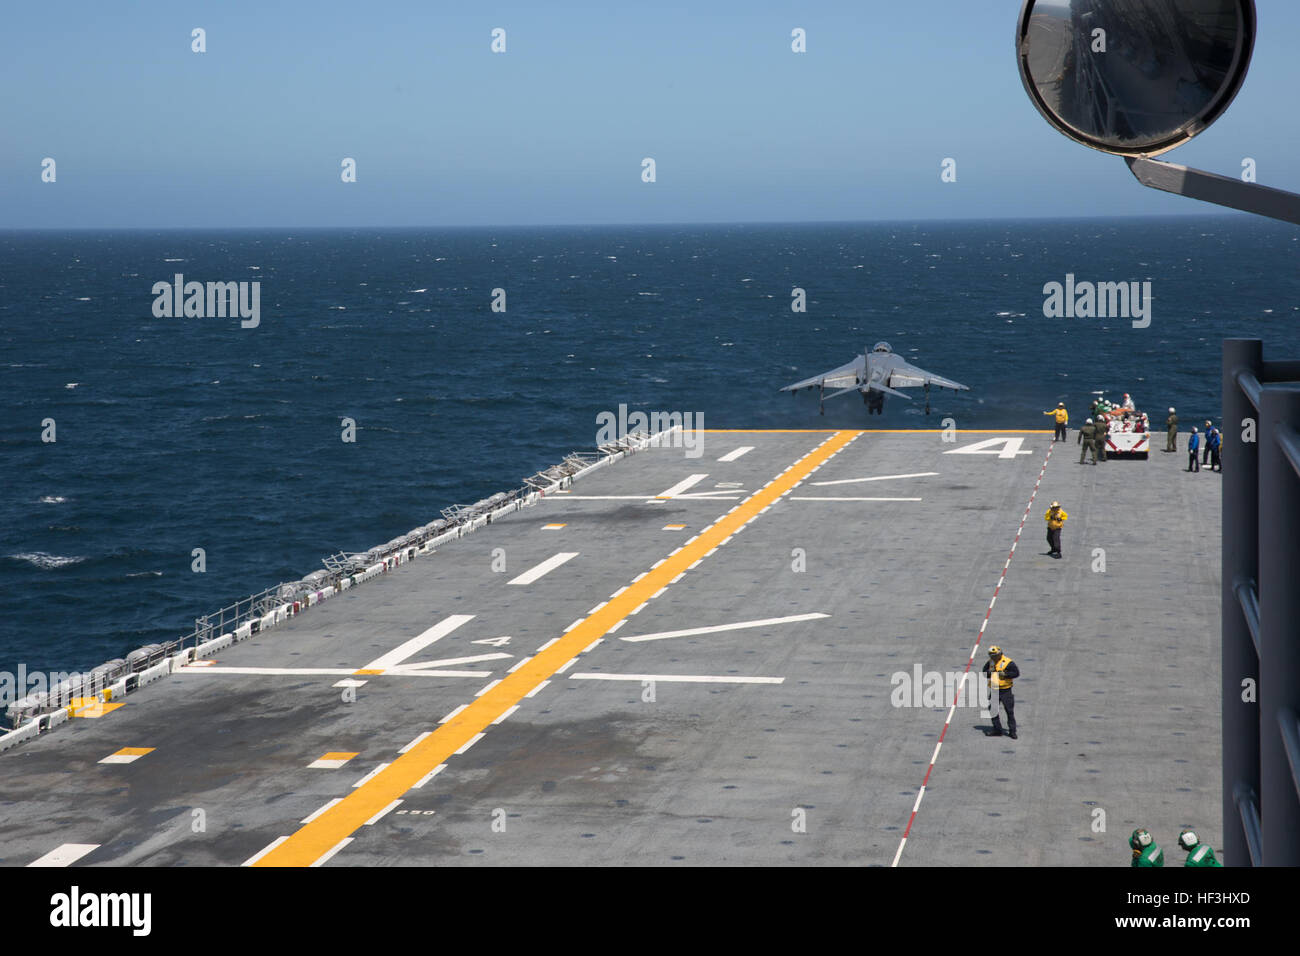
1221,190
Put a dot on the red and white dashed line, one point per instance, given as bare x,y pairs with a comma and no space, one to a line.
971,661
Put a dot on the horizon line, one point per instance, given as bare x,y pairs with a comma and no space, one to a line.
644,225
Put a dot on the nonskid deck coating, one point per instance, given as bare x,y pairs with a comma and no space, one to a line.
1118,705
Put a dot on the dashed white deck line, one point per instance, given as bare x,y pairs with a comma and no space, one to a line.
596,608
659,592
453,713
349,682
545,568
547,644
718,628
520,663
329,854
566,665
65,855
537,689
835,498
971,660
639,608
412,744
591,645
370,776
420,642
264,851
736,453
616,626
471,742
510,710
402,670
677,578
854,481
430,775
573,625
382,813
308,819
679,678
486,687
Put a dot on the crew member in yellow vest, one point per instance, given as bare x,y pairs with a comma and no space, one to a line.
1001,671
1062,419
1055,517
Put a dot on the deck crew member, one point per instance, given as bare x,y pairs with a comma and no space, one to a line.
1055,518
1205,456
1001,671
1145,850
1103,431
1171,431
1062,419
1193,445
1087,439
1198,853
1213,440
1127,404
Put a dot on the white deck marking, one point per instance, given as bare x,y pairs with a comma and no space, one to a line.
65,855
733,455
546,567
415,741
533,692
453,713
380,815
448,662
370,776
335,849
851,481
829,498
430,775
418,643
264,851
487,687
314,814
688,482
506,713
471,742
679,678
717,628
652,500
413,670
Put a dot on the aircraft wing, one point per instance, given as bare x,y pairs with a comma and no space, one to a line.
846,376
903,375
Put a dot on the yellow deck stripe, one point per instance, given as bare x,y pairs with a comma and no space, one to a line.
317,838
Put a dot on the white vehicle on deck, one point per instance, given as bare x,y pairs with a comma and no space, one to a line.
1124,438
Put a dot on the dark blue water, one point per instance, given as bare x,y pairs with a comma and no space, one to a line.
183,433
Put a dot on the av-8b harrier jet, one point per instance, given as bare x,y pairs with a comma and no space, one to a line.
873,374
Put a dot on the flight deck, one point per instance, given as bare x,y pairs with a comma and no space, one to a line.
724,659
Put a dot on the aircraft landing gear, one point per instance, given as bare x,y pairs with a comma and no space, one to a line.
927,398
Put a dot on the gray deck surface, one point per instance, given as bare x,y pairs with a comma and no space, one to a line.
1118,703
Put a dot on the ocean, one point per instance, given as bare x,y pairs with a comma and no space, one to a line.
178,433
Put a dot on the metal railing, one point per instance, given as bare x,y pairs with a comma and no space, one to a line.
456,520
1261,607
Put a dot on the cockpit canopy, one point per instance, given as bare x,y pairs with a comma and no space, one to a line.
881,347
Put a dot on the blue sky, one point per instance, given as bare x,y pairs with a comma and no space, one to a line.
147,133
